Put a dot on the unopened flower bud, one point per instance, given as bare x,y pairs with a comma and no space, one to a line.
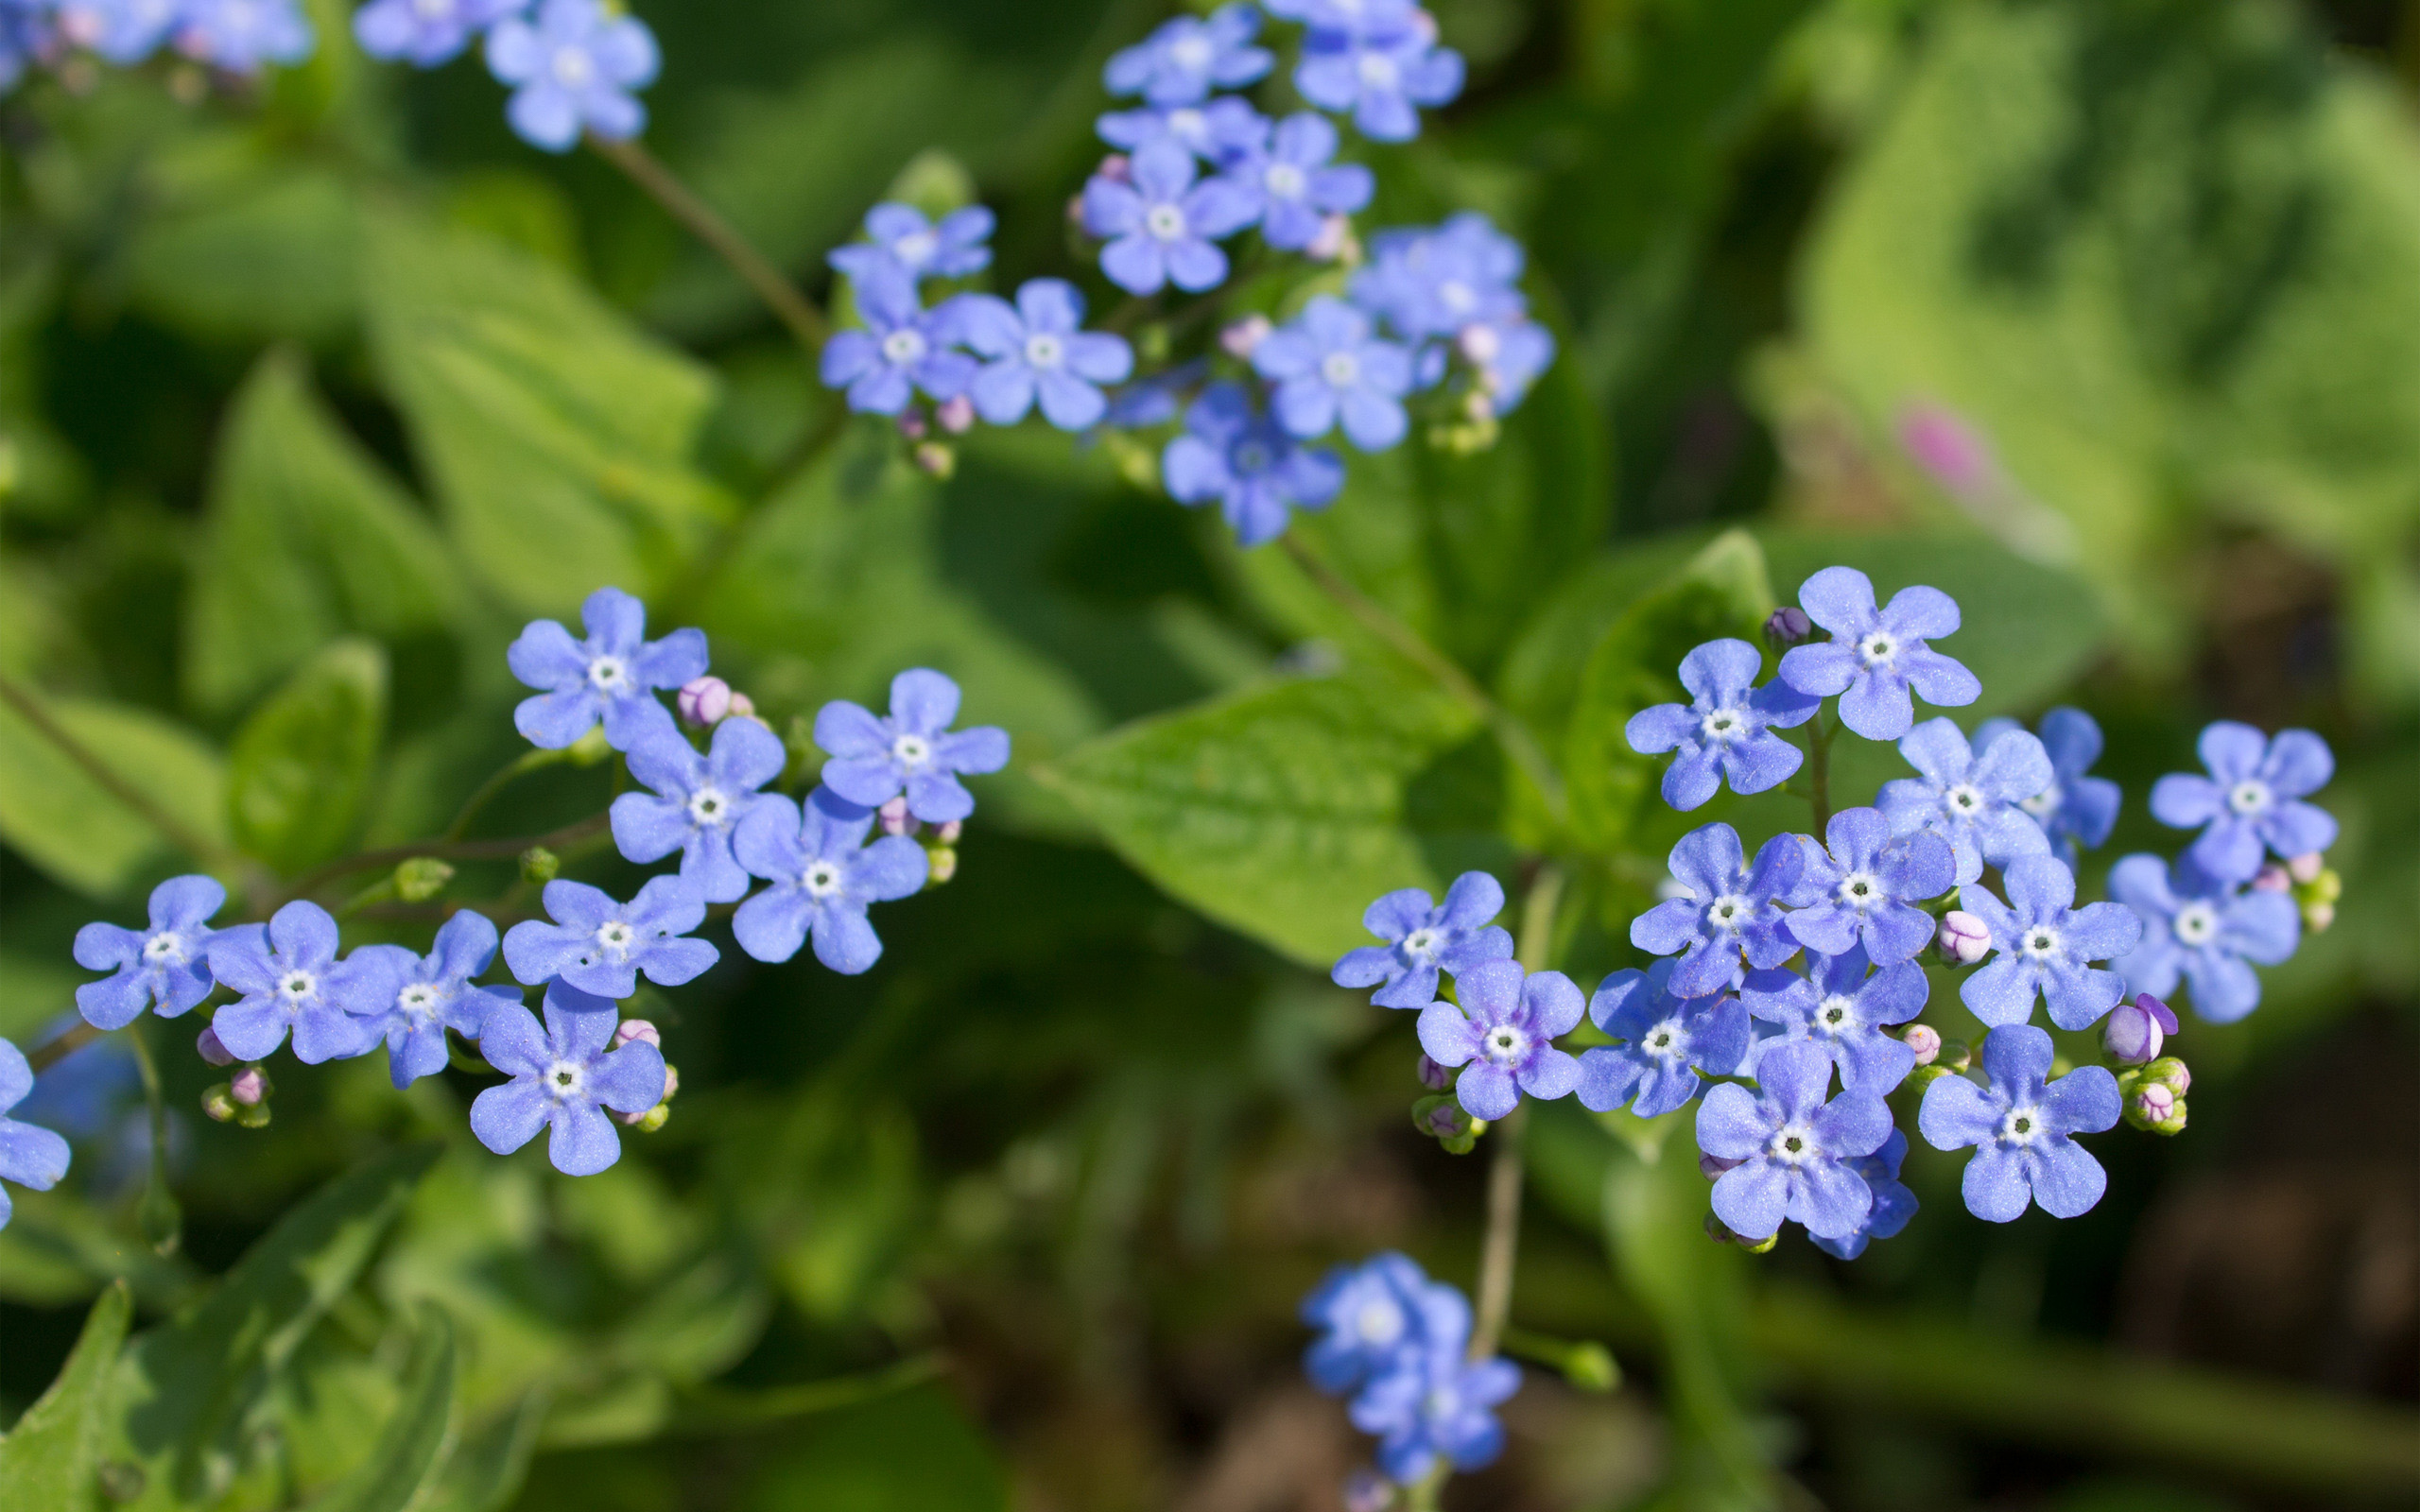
2169,1073
1480,342
1366,1491
1335,236
1590,1366
1758,1246
1964,938
912,425
743,707
1423,25
540,865
956,414
933,459
2154,1101
654,1118
422,878
1432,1075
207,1044
671,1082
1956,1055
1788,627
2318,918
1925,1040
1240,339
2136,1029
1116,168
1712,1166
944,863
950,830
637,1030
2306,867
2273,878
218,1103
251,1085
703,701
251,1115
895,818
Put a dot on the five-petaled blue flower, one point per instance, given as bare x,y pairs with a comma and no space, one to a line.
426,32
1893,1204
1424,937
2206,931
612,675
1247,462
1667,1043
1375,1317
1509,351
697,802
1504,1031
119,31
2077,811
1875,656
1037,348
561,1075
1728,912
1975,803
1793,1149
601,946
410,1001
1727,730
1382,75
1838,1007
1160,223
914,751
1444,1405
903,243
1188,57
2045,946
1220,133
239,36
824,876
31,1157
167,964
905,347
2022,1127
2253,798
1327,366
287,972
1437,281
1863,890
1299,188
573,69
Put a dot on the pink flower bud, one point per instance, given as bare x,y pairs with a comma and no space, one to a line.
1434,1076
934,460
1241,338
2136,1029
1963,937
894,816
1945,445
1116,168
704,700
2154,1102
2273,878
1336,232
956,414
2307,868
1444,1121
1789,627
912,425
1480,342
634,1030
1925,1040
951,831
671,1083
2318,917
1712,1166
1368,1491
1423,25
250,1085
742,706
210,1050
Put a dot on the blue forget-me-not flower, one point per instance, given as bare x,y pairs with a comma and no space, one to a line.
1442,1407
2046,946
697,801
1424,937
31,1157
1038,349
1510,352
2210,933
1666,1043
287,972
1188,57
573,68
2022,1127
1861,888
824,876
1842,1010
1383,75
1160,223
1876,655
1220,133
1245,461
905,347
1504,1031
119,31
1329,367
1976,803
1792,1149
560,1076
913,751
1727,730
426,32
1437,281
167,964
2252,798
611,676
601,946
1374,1318
1729,911
901,241
2077,810
1299,187
240,36
410,1000
1893,1204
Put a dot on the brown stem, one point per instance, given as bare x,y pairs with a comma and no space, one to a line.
43,1057
192,844
805,321
1819,770
570,834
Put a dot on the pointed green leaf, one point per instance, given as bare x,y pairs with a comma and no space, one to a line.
411,1452
301,764
55,816
52,1458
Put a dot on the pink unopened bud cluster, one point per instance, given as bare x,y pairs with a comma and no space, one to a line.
707,702
1713,1166
1241,339
637,1031
210,1050
2137,1029
250,1085
1964,938
1925,1040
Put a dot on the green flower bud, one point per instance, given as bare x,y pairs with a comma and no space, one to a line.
422,878
540,865
1590,1366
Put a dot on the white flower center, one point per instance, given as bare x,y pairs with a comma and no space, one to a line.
1454,294
166,947
433,10
1667,1041
2249,797
2043,804
1342,370
1284,181
1188,125
1860,890
1963,801
1191,52
1042,350
2040,941
2196,923
616,938
912,750
1166,222
1380,1321
1250,457
1877,647
822,879
1793,1144
708,807
1723,725
1421,944
902,347
295,986
419,1001
573,67
1379,71
608,673
2022,1126
916,248
1505,1044
1836,1015
565,1080
1730,911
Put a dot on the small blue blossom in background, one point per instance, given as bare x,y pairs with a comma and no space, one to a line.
573,69
31,1157
1729,911
1424,937
1222,133
913,751
1790,1149
1038,349
902,243
2077,811
27,35
426,33
697,801
1446,1408
88,1093
410,1001
240,36
2045,946
1160,223
287,972
1727,730
119,31
167,964
905,347
1299,188
823,876
1403,1341
1188,57
1667,1043
1377,1317
1503,1031
1510,353
1382,73
1860,888
1875,656
1841,1010
2251,800
1975,803
601,946
1437,282
2206,932
2022,1127
560,1076
1327,367
1245,461
1893,1204
611,675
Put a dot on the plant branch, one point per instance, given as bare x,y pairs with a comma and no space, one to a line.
43,1057
644,169
570,834
1818,769
107,777
1498,1250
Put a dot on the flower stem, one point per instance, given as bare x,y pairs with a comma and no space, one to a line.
570,834
107,777
43,1057
1501,1243
1818,769
162,1220
644,169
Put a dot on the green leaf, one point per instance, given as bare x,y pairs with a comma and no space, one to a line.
914,1451
411,1452
187,1394
273,253
52,1458
301,764
558,436
1282,811
304,539
55,815
488,1466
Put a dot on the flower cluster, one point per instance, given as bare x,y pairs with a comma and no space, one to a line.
574,66
236,36
1400,1343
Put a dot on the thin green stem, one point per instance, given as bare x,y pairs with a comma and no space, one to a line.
162,1221
1818,769
569,835
1501,1246
193,843
41,1057
664,187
